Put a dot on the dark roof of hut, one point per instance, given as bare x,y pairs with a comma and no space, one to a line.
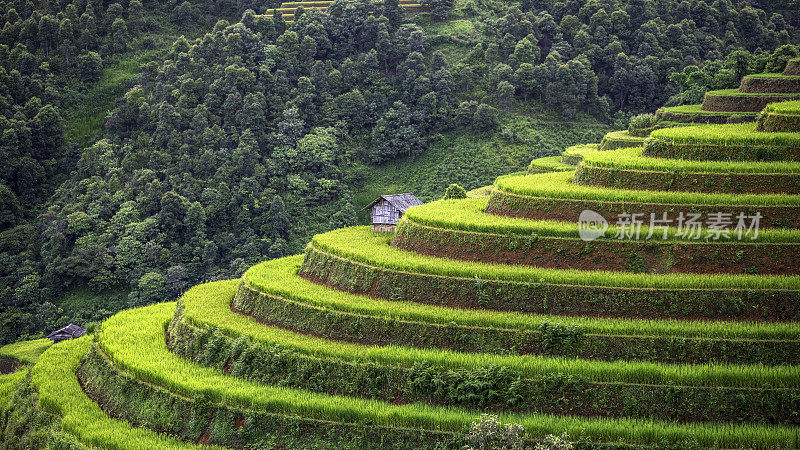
70,331
400,201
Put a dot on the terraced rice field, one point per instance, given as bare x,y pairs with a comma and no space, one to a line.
648,334
740,105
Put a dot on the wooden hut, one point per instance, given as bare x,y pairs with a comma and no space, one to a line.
70,331
387,210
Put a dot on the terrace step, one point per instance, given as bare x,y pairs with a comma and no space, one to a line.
286,17
272,292
770,83
559,245
574,155
290,11
733,142
731,100
141,352
628,169
695,114
359,262
548,164
792,68
553,196
393,376
83,421
620,139
780,117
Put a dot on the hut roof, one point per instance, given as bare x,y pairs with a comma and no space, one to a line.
70,331
400,201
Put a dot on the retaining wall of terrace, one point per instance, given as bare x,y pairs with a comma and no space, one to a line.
648,256
490,388
551,339
731,183
770,85
567,210
202,421
742,103
541,298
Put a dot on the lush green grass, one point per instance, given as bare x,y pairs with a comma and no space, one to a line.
60,393
736,93
27,352
771,75
468,215
623,135
481,192
791,108
206,306
632,159
279,277
581,149
696,109
7,383
574,155
84,122
361,244
559,185
549,164
740,134
135,341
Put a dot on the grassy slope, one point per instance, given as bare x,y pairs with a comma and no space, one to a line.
471,161
27,352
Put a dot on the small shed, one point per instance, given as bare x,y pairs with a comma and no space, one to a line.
387,210
70,331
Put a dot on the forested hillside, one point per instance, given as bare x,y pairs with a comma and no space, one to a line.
149,146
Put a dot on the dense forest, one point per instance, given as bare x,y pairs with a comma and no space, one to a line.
150,146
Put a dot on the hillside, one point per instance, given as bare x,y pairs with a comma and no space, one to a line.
161,145
674,325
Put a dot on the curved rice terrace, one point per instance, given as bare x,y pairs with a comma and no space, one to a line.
755,93
641,292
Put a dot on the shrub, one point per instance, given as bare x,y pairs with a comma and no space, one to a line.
455,191
488,433
90,66
440,9
642,122
552,442
485,118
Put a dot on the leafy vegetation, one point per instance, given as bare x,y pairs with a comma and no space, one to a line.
620,139
548,164
783,108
